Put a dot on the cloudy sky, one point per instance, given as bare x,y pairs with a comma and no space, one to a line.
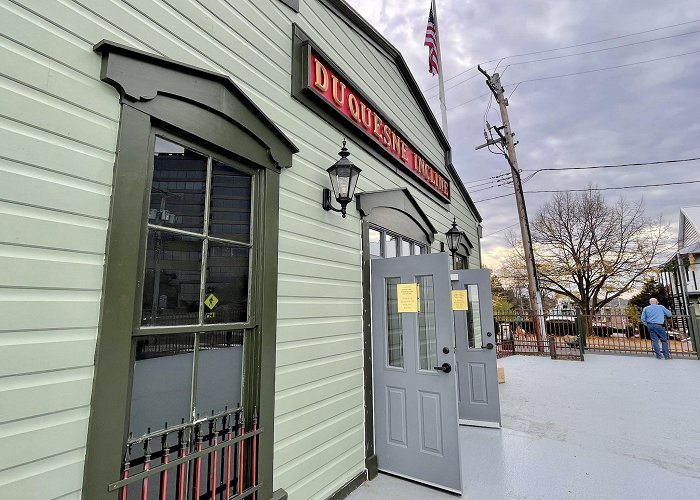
638,113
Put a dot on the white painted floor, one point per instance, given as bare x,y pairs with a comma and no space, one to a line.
612,427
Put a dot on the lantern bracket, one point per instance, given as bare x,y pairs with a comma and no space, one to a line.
328,202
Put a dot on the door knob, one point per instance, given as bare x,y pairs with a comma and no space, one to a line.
444,368
489,346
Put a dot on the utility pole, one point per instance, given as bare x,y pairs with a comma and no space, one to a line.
506,137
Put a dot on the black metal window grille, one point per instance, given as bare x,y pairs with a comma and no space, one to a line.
211,458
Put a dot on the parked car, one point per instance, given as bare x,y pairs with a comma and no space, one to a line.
675,335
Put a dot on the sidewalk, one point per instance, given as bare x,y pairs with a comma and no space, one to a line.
612,427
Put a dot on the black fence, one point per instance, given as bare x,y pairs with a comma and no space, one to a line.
535,335
212,458
621,333
570,336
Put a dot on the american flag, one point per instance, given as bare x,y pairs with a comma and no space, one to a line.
431,43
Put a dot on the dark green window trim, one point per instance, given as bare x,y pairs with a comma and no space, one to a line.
207,109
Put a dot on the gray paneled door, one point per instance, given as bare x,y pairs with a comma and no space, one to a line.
476,351
415,388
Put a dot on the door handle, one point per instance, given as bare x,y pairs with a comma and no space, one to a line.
444,368
489,346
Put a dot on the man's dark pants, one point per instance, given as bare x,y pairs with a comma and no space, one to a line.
657,333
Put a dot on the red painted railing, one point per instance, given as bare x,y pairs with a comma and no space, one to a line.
212,458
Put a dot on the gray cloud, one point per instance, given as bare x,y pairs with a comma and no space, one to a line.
644,112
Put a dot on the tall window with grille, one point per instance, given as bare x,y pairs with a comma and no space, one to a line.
195,316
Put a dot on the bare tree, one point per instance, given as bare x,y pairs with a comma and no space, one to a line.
592,251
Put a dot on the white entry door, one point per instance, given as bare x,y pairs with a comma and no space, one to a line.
475,334
415,388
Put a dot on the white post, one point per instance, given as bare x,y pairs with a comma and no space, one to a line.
441,82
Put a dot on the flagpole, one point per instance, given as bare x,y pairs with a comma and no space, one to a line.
441,82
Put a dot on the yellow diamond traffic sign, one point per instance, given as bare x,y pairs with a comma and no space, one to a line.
211,301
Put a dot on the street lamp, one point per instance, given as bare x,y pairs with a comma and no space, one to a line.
454,237
344,175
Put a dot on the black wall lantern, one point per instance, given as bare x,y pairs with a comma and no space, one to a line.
344,175
454,237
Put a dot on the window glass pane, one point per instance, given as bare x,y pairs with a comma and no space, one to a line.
405,248
394,334
375,249
391,246
460,262
423,249
427,331
178,187
219,371
226,292
474,316
231,198
172,280
162,383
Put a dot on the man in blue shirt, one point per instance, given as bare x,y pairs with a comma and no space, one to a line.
653,317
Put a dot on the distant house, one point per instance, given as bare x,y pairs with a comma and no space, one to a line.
681,273
614,314
562,311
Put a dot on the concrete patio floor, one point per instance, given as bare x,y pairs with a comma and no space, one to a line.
612,427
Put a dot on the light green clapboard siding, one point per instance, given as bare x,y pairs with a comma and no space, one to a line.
333,449
33,439
335,403
36,227
306,441
318,349
57,117
75,348
58,127
316,470
59,137
318,394
24,143
60,475
20,183
312,328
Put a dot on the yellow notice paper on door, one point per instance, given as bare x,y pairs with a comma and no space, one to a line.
459,300
407,295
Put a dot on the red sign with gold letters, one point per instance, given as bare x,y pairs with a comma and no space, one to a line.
336,92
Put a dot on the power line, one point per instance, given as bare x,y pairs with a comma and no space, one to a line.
564,48
502,174
610,67
536,171
473,99
487,183
603,49
581,73
499,230
572,55
507,183
493,178
592,189
620,165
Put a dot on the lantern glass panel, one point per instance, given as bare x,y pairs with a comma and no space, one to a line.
453,238
344,176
